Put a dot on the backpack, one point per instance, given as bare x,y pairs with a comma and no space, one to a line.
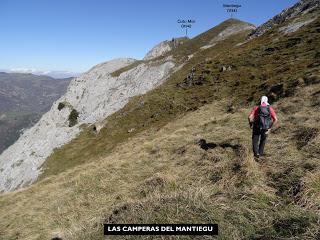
264,118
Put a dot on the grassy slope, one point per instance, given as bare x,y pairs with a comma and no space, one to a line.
155,108
127,68
166,177
254,71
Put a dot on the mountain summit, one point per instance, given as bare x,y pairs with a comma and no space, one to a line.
94,96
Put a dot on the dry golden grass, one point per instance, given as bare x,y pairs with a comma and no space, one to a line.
164,176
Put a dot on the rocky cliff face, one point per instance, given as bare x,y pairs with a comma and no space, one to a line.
159,50
299,9
92,96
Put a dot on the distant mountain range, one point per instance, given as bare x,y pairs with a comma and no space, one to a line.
23,99
53,74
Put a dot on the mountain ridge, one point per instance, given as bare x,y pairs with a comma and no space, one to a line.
87,99
146,163
300,8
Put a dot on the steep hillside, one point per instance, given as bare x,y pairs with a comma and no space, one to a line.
164,176
90,98
293,17
145,164
23,99
271,65
154,109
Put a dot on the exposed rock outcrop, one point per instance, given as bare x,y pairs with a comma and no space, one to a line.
294,26
159,50
300,8
165,47
94,96
229,31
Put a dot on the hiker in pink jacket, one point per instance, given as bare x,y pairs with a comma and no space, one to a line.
261,120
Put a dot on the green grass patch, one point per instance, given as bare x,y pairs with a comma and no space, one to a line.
127,68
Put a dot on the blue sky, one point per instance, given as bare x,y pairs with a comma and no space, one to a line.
74,35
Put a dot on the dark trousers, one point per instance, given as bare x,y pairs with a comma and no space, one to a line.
259,138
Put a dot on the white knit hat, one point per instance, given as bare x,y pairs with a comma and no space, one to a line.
264,99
